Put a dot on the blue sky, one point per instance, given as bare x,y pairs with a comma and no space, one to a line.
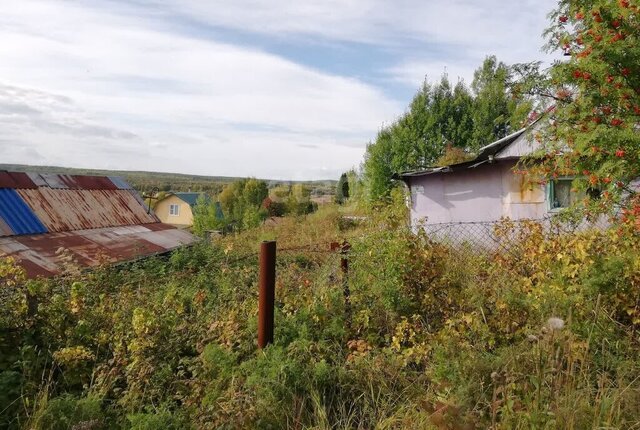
279,89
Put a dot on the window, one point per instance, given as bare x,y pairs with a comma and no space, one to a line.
562,195
174,210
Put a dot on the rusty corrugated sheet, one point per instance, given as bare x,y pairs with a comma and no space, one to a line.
139,199
81,182
40,255
66,210
15,180
4,229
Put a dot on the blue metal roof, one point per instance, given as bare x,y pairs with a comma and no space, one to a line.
120,182
192,198
17,215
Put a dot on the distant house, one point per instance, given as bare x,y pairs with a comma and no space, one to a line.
485,189
177,208
48,220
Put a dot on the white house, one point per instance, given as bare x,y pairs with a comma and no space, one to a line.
485,189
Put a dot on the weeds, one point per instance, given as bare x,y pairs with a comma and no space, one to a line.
545,337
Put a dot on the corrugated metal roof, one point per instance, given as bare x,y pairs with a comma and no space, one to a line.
120,183
139,200
79,182
39,254
66,210
37,179
75,182
485,154
96,218
17,215
15,180
4,229
54,181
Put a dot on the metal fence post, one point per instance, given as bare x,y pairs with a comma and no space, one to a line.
267,293
344,267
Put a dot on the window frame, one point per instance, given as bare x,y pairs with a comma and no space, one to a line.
551,192
173,212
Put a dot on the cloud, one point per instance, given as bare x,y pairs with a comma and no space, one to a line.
451,28
163,84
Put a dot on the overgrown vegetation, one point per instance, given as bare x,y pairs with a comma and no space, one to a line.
246,203
593,135
542,335
545,337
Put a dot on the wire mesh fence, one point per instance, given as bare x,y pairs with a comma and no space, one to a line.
505,235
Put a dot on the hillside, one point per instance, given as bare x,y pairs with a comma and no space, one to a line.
145,181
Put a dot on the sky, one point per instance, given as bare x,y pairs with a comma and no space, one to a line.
278,89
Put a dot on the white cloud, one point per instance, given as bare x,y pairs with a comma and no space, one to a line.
114,85
437,35
195,98
464,22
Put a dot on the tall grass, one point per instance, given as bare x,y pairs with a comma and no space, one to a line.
543,338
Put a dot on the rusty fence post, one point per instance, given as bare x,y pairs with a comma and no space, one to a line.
267,293
344,267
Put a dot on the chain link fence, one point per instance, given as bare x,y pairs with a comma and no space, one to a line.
504,235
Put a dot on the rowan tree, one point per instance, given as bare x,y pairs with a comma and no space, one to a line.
593,134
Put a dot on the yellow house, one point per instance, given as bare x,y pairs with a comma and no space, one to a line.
177,208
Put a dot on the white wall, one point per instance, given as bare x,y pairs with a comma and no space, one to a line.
485,193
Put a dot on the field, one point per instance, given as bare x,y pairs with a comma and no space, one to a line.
432,337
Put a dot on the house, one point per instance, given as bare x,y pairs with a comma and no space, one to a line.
49,221
177,208
485,189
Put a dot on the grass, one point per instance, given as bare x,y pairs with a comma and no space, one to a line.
429,341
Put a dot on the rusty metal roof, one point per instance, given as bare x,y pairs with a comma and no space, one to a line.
16,215
68,210
31,180
45,255
15,180
96,218
5,230
40,202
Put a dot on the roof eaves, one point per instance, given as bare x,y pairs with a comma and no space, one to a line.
429,171
483,156
503,140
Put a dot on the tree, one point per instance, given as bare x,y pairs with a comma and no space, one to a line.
355,185
594,132
453,155
255,192
299,200
378,170
342,189
274,208
207,216
493,109
242,197
442,115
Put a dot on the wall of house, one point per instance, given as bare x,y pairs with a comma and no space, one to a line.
520,198
185,217
485,193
